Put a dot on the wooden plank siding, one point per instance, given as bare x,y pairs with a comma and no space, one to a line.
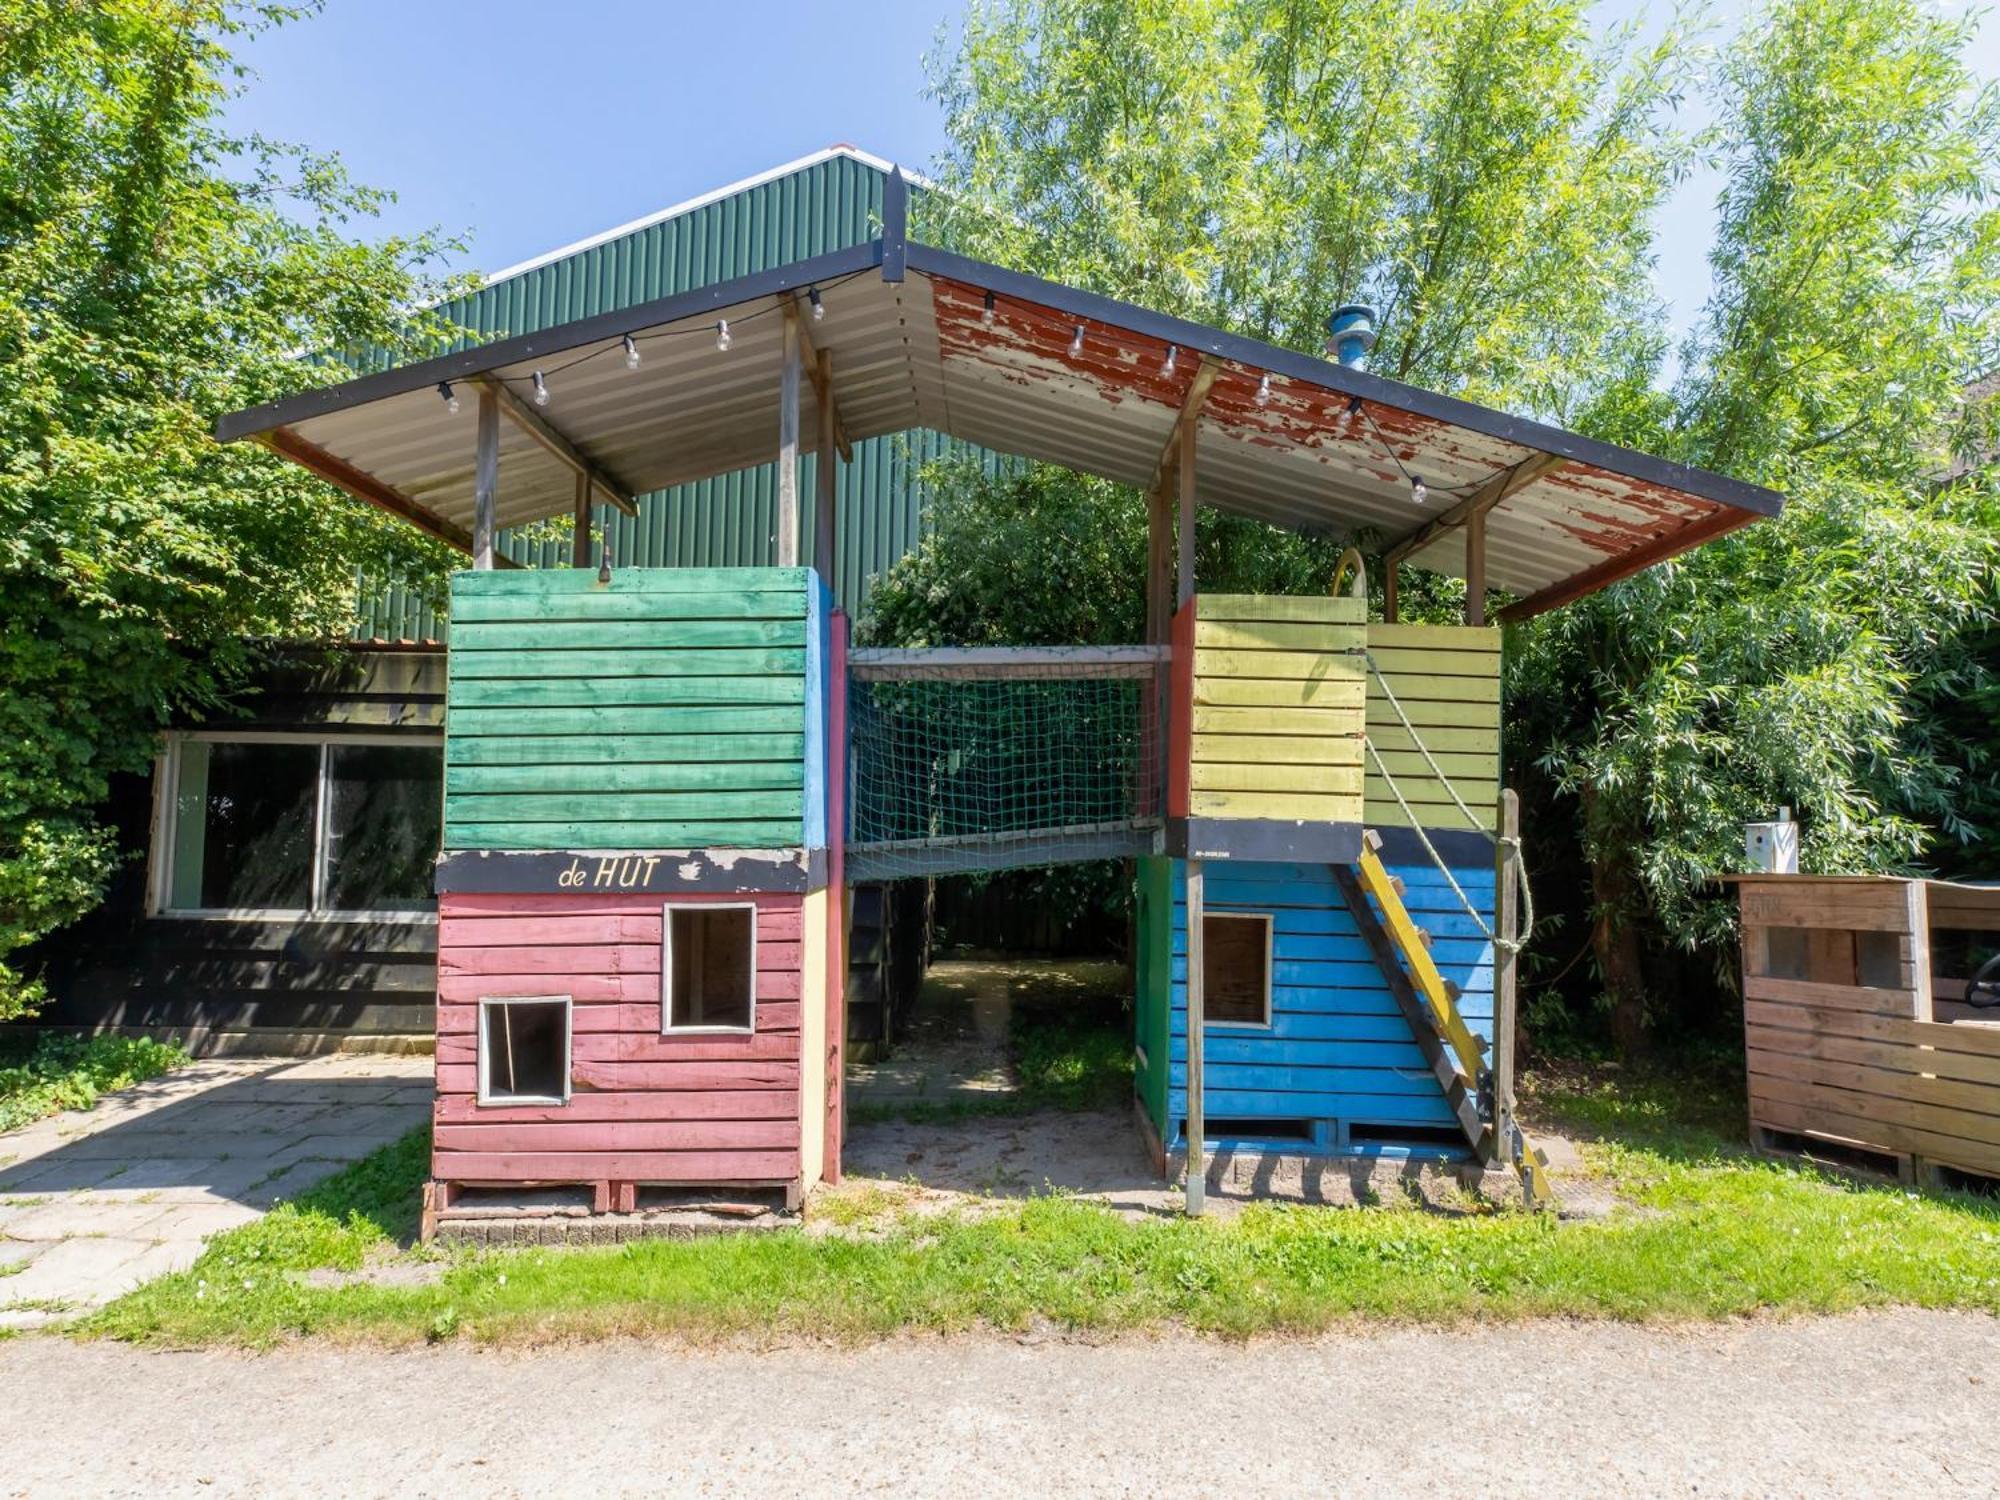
668,709
687,1109
1447,680
1838,1038
1276,695
1338,1050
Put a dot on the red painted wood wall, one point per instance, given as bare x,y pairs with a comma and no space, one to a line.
643,1107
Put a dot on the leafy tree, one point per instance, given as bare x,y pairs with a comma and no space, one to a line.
1485,173
1805,663
154,271
1488,174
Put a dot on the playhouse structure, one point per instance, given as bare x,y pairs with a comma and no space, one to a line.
661,783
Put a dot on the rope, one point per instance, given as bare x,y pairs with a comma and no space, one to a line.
1509,846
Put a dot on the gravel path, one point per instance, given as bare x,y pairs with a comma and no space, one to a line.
1890,1404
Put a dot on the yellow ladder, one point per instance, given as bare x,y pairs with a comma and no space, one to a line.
1456,1053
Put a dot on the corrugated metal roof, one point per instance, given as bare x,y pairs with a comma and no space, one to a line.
827,201
1050,373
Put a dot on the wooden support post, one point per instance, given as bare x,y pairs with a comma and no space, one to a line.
579,547
1507,925
1197,1010
486,479
823,518
1159,567
1389,566
1185,468
788,449
1475,568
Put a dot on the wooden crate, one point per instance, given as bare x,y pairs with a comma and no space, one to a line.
1838,1026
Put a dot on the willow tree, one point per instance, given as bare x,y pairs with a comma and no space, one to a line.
1486,174
1489,174
1805,663
155,270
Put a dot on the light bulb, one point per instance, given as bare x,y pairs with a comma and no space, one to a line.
986,312
450,397
541,390
1076,343
722,334
1264,391
818,307
1419,492
631,353
1173,354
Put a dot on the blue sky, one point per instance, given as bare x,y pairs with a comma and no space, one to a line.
525,126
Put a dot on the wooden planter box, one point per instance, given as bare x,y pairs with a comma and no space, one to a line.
1853,1034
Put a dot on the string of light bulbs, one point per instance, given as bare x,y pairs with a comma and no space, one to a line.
628,346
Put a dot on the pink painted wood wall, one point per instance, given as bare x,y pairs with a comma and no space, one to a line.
643,1107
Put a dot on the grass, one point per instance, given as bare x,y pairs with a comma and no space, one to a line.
69,1072
1704,1230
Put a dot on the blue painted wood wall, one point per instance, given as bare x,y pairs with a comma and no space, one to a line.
1338,1052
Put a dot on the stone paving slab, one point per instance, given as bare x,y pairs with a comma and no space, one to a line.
94,1202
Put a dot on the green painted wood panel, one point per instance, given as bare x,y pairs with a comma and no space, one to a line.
523,663
662,776
618,834
577,753
610,723
583,727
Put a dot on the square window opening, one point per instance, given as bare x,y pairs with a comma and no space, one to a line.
1236,970
710,969
524,1046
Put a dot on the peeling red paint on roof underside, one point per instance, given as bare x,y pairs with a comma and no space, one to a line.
1029,346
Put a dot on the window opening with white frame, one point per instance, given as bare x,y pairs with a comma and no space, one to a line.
298,825
708,971
1236,969
524,1048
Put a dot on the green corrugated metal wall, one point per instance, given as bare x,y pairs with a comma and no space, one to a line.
730,520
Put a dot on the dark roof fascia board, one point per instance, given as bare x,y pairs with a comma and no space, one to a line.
716,298
1292,365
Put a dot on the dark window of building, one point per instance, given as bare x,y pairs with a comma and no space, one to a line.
1236,969
711,968
246,815
382,810
524,1050
299,826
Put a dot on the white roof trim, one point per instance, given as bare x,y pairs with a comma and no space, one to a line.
866,158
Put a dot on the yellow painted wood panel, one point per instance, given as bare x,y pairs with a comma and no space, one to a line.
1305,666
1409,767
1387,737
1426,713
1412,691
1433,637
1324,608
1279,692
1279,749
1428,664
1305,721
1290,807
1269,635
1433,808
1223,776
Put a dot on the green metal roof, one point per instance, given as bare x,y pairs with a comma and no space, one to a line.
823,202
